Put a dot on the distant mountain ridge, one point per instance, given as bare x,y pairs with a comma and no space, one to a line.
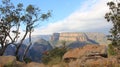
89,37
73,39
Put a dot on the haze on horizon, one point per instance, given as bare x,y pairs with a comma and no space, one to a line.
72,16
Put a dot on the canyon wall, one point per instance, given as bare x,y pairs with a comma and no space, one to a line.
90,37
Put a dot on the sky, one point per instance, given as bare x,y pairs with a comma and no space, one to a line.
71,16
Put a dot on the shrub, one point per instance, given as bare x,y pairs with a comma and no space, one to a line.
53,56
46,59
111,50
27,60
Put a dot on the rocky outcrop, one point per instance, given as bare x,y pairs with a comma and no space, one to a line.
101,62
86,51
86,55
108,62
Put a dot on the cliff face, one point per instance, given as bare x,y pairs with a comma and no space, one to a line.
55,37
73,37
93,38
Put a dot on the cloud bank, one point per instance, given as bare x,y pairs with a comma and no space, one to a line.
88,18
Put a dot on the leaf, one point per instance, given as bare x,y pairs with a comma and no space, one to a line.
23,18
30,9
20,5
108,20
108,3
111,3
44,16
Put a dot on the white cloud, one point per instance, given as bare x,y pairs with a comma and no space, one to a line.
90,17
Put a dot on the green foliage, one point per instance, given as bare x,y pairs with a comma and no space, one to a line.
46,59
55,60
27,60
53,56
114,16
111,50
57,52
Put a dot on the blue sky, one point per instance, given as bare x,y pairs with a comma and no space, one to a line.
72,15
60,8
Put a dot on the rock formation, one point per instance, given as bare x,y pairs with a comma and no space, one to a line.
91,38
69,36
86,51
89,56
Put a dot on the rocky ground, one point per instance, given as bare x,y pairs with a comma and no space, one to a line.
87,56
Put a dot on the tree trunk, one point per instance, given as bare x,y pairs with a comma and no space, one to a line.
19,45
3,45
26,50
3,49
17,33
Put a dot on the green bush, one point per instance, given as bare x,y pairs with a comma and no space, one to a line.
111,50
53,56
27,60
46,59
55,60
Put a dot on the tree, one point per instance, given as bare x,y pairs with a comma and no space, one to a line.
114,16
30,18
10,17
15,17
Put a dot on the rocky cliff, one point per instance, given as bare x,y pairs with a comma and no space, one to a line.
88,37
